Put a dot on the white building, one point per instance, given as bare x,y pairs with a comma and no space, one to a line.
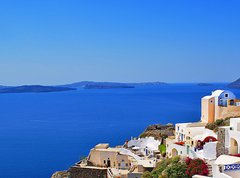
192,140
219,105
229,136
146,146
226,166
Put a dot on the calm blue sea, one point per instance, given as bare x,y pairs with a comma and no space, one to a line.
45,132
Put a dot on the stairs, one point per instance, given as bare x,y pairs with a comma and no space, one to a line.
110,173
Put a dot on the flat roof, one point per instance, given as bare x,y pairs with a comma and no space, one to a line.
192,124
226,159
207,97
102,145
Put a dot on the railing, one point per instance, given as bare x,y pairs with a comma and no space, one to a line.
110,173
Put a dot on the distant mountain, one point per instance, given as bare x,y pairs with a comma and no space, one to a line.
235,84
91,84
33,89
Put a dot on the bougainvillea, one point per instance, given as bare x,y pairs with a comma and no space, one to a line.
196,166
188,160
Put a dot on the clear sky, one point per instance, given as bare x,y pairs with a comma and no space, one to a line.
64,41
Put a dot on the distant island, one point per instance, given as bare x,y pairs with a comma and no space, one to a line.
33,89
107,85
74,86
235,84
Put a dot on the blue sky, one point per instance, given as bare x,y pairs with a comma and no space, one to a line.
61,41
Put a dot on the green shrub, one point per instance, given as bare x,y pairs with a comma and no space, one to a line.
175,159
161,166
176,170
162,148
162,169
146,174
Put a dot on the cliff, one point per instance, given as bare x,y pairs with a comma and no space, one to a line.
78,172
158,131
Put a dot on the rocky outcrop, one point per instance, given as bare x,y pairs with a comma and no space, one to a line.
61,174
80,172
158,131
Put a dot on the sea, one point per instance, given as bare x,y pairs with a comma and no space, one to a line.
41,133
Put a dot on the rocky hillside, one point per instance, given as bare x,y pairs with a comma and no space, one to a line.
158,131
235,84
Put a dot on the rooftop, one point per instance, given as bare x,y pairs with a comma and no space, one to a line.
217,92
226,159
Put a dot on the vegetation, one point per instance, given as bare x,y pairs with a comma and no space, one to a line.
218,123
162,149
168,168
196,166
146,174
178,168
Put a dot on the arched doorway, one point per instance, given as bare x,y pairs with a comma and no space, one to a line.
174,152
233,146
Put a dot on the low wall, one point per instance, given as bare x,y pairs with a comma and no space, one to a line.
78,172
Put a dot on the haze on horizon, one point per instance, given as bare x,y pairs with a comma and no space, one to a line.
58,41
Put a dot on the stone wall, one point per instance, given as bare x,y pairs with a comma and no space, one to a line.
227,112
221,149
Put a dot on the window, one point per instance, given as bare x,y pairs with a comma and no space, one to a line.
178,127
104,161
119,164
211,101
126,164
180,152
226,95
